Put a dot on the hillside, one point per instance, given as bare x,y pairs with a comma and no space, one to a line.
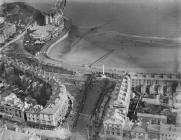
20,12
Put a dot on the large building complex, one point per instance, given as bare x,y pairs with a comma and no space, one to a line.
154,100
159,110
54,24
116,116
55,28
53,113
44,33
18,105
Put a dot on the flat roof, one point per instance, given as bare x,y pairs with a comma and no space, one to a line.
54,103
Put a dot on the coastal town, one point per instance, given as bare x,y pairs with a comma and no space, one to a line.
45,99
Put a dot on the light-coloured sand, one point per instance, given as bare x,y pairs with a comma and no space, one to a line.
129,52
154,19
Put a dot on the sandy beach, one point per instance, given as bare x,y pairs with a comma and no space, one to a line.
158,23
129,52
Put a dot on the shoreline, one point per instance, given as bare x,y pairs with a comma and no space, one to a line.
127,67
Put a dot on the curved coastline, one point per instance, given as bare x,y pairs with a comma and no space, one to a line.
77,68
98,69
81,69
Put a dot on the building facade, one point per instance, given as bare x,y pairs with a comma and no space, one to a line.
12,108
152,119
18,105
116,115
153,79
52,114
159,91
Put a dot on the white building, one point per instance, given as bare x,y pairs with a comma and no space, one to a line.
42,32
55,17
54,111
116,115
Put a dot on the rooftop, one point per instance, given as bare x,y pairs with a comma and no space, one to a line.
12,100
2,19
55,102
117,111
159,76
140,129
153,109
40,33
120,94
151,115
12,96
170,128
153,127
115,116
44,28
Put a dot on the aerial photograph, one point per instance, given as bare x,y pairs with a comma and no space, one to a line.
90,69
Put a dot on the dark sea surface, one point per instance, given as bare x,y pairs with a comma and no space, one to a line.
160,18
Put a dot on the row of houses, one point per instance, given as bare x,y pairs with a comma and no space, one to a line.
149,126
155,89
155,132
52,114
158,76
13,108
116,116
156,126
49,116
154,79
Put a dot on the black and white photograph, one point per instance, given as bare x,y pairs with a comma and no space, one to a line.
90,69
